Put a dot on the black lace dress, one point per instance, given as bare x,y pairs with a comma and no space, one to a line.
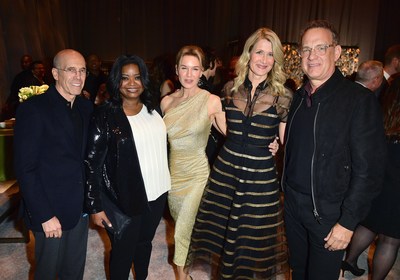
239,226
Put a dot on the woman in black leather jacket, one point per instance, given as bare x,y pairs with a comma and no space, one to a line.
127,161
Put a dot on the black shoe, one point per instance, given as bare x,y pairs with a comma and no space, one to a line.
355,270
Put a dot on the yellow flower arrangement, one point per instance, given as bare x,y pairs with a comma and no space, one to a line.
27,92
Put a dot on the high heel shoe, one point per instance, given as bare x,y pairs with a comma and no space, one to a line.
355,270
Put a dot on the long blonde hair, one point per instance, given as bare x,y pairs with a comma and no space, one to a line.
276,77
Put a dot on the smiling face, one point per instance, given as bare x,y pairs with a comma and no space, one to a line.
319,68
69,83
261,60
131,86
189,71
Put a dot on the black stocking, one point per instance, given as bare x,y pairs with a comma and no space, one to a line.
360,241
384,257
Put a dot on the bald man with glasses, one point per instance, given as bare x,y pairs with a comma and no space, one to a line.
49,148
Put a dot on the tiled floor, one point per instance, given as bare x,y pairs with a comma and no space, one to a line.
16,259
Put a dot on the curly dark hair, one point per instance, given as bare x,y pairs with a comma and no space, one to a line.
114,81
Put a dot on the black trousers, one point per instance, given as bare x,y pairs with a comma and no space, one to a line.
63,257
308,258
135,243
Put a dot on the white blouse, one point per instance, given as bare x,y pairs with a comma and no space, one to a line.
150,136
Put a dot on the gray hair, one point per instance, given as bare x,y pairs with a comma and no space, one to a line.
368,70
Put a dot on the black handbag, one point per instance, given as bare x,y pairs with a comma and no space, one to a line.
118,219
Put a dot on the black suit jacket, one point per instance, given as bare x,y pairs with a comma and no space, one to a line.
48,160
380,91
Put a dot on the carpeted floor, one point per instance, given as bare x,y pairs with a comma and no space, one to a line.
16,259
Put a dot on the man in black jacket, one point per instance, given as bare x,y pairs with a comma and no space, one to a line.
49,142
334,160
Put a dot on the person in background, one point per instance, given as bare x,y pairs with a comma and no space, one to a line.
188,115
12,102
239,225
334,158
49,144
25,63
96,77
392,61
127,161
210,64
390,69
232,73
370,75
102,95
210,67
382,221
162,76
38,73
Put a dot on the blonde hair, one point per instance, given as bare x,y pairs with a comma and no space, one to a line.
193,51
276,77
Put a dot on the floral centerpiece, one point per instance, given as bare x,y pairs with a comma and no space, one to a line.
27,92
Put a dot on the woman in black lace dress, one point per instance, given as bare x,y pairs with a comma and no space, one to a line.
239,226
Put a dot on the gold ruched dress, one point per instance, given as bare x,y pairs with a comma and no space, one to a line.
188,128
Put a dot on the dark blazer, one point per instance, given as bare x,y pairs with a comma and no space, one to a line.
380,92
48,160
112,164
348,163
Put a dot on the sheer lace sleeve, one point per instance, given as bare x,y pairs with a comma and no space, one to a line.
283,104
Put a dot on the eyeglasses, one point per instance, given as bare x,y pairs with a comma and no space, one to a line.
73,71
318,50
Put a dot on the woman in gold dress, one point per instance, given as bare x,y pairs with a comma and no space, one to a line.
188,114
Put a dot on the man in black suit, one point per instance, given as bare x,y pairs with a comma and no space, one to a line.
390,68
392,61
49,141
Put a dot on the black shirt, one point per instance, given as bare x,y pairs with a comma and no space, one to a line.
76,120
300,146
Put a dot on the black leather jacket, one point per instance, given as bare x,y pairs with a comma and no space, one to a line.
112,163
347,164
